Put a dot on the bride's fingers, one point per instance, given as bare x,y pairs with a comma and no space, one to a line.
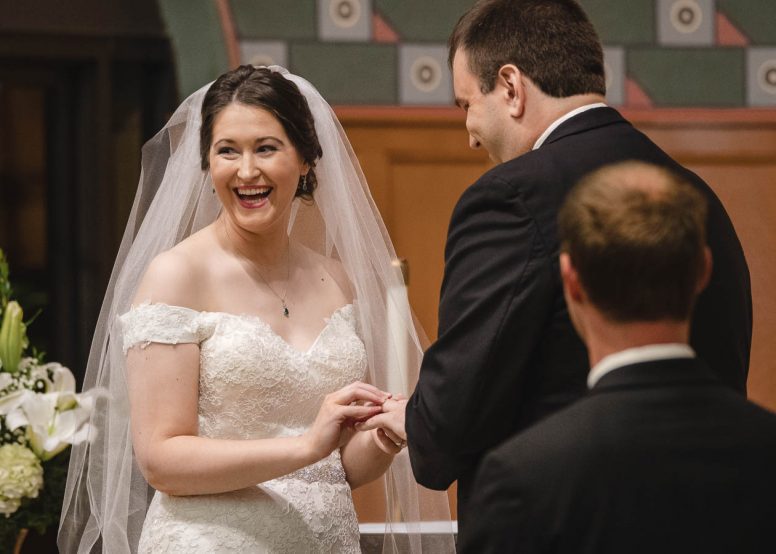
375,422
358,412
359,392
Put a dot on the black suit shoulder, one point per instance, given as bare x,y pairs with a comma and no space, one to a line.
638,452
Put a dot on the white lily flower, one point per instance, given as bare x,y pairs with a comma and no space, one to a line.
53,420
12,401
63,383
5,379
48,430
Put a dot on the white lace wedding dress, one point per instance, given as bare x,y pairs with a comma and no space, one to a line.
254,385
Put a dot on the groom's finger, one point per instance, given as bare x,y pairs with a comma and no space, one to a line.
383,421
391,435
386,444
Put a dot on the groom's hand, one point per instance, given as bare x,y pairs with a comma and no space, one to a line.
388,426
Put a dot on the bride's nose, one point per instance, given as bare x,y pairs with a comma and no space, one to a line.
249,169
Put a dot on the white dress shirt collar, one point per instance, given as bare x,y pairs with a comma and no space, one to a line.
563,118
637,355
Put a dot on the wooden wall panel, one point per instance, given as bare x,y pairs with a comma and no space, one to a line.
737,157
418,162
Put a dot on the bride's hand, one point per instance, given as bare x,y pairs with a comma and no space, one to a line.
338,410
387,427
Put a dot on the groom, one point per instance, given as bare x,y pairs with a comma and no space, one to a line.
530,76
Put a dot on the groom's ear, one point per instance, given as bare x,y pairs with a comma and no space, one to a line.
511,86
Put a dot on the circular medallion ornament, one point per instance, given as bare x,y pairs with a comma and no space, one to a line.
686,16
426,73
766,76
345,13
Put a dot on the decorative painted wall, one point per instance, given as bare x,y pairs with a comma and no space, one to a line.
659,53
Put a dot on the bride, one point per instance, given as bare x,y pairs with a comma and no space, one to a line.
243,337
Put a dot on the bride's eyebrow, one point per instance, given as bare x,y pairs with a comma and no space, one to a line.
229,140
270,137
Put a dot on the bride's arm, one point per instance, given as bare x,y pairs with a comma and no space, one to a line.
163,391
364,460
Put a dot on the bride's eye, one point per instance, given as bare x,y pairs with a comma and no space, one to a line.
266,148
225,150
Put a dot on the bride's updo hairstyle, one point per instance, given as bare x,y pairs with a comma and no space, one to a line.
268,90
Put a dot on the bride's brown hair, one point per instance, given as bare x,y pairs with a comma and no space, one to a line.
268,90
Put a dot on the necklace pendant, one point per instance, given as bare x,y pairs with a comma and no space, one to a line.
285,310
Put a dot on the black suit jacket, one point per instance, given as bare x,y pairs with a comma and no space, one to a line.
659,457
506,354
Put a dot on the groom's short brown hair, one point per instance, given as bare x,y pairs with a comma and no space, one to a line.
551,41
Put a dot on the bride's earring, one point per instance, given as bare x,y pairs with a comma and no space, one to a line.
304,183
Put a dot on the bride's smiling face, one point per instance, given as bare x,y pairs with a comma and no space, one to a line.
255,167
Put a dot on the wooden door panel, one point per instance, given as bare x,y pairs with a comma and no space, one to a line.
423,196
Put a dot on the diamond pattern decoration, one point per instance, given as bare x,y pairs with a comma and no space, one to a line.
614,67
686,22
753,18
761,77
728,34
264,52
424,77
345,20
658,53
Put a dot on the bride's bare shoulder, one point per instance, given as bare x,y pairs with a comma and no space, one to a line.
331,269
176,276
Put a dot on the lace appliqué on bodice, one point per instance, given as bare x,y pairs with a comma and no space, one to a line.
254,385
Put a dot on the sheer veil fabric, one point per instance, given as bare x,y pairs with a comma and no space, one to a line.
106,497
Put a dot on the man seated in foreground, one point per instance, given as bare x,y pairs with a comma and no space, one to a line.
659,456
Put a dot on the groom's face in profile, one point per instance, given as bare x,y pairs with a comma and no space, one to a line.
485,117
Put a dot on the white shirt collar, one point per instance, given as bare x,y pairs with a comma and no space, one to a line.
563,118
636,355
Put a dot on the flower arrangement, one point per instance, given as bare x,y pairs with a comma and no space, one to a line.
40,417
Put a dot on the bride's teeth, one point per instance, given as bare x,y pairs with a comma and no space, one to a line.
254,192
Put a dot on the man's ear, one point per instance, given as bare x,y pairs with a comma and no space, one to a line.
510,84
572,288
708,264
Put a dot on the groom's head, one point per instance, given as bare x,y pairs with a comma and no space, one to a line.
633,245
509,57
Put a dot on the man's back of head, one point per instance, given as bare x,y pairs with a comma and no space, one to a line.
636,235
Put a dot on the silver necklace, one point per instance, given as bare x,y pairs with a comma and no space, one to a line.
282,299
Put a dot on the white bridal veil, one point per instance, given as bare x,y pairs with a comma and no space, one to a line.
106,496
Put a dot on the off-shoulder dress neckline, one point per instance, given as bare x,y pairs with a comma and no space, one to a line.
259,320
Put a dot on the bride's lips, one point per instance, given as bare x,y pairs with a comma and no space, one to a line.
253,197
